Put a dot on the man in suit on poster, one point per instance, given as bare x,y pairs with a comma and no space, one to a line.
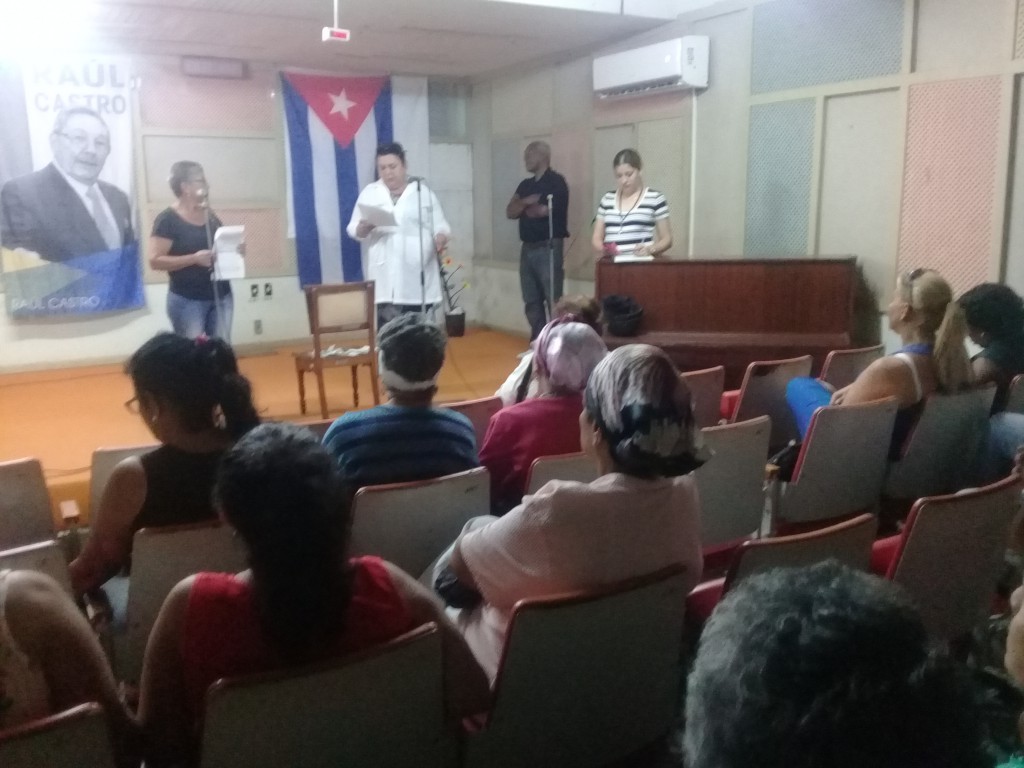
64,210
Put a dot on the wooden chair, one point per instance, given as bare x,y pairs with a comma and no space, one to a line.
706,387
336,309
1015,395
936,456
161,557
410,524
569,466
75,737
842,463
25,516
842,366
849,542
763,393
586,678
950,554
44,556
479,413
381,707
731,483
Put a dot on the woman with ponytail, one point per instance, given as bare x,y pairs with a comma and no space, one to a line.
193,399
640,515
301,600
933,358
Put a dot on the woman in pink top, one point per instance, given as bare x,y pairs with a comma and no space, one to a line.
546,425
640,515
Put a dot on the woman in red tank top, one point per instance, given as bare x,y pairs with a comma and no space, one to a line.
301,601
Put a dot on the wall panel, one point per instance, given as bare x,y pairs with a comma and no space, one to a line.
860,184
807,42
1014,269
952,34
949,179
779,178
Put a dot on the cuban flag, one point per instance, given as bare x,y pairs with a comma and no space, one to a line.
333,126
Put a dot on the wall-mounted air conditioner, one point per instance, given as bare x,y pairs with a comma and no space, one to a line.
670,65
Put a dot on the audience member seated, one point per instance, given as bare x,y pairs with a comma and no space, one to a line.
995,322
933,358
300,602
826,666
196,403
406,438
566,352
521,384
50,659
639,516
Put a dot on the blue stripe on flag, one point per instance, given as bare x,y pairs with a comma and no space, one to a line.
307,237
382,114
348,190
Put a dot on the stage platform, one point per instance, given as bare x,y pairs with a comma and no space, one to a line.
61,416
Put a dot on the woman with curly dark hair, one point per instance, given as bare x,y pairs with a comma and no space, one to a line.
995,322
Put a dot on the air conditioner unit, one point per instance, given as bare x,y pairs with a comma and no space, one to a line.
671,65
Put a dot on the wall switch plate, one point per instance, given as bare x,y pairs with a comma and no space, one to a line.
268,290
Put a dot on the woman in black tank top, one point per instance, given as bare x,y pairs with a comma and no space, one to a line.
196,403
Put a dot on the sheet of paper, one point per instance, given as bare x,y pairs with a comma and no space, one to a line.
626,258
379,217
229,265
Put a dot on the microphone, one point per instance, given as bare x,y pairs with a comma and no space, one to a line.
203,194
417,179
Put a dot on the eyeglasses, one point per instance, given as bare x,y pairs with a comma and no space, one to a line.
80,141
132,406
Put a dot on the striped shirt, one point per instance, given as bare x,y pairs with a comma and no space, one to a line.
398,444
634,226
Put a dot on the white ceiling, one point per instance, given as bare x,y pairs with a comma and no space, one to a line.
452,38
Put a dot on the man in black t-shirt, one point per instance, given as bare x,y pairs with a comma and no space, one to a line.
541,245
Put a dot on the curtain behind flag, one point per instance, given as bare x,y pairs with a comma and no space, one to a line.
68,237
333,126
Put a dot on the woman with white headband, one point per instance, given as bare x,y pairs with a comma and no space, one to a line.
406,438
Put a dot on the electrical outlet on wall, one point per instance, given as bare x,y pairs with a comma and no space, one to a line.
268,290
254,291
257,327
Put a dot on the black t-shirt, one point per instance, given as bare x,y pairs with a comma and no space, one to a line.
192,282
550,183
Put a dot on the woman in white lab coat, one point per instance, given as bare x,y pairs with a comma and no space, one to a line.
396,253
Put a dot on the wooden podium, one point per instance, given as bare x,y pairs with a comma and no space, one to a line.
731,312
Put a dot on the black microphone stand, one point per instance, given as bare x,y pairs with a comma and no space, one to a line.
423,251
226,332
551,260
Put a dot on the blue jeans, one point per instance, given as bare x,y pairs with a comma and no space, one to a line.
1005,436
194,317
804,396
535,281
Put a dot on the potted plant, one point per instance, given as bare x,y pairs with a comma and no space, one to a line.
454,315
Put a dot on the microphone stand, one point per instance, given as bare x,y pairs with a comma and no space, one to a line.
225,332
423,258
551,260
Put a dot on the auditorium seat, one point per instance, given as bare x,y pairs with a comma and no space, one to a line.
841,465
478,412
586,678
1015,395
410,524
849,542
842,366
731,488
570,466
936,457
43,556
104,460
75,737
25,516
161,557
381,707
706,392
950,554
763,393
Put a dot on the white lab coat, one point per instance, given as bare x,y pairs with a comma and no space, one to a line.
393,254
